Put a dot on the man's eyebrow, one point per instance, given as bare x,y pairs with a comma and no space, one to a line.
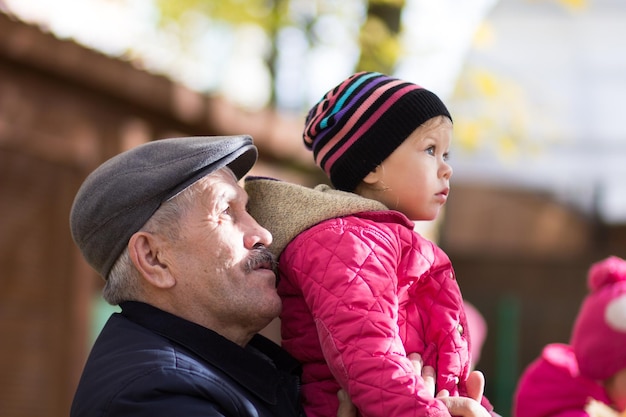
231,195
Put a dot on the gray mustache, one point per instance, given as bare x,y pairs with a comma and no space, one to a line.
261,256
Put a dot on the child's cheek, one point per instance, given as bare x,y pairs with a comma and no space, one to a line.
616,388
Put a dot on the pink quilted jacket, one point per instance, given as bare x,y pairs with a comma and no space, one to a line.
360,292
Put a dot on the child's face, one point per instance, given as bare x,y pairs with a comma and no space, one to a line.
415,178
616,388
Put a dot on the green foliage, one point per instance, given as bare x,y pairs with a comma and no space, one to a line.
267,14
380,48
379,37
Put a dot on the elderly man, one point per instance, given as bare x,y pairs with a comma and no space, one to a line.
165,224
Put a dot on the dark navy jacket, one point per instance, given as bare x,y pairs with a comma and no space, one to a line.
149,363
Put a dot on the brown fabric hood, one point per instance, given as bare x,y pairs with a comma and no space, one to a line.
286,209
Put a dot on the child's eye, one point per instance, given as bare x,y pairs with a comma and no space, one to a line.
430,150
446,156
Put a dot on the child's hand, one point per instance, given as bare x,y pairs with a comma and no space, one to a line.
599,409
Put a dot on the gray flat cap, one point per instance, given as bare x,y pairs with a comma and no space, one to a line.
117,199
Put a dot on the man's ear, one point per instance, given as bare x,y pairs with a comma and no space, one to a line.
373,176
146,253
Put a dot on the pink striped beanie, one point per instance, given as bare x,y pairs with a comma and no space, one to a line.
361,121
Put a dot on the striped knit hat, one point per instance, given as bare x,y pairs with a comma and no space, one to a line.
361,121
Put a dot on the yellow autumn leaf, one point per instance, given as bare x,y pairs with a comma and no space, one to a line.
486,84
507,146
573,4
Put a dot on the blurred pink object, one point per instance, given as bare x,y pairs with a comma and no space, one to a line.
477,328
599,333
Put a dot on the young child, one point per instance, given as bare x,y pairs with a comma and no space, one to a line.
360,287
588,376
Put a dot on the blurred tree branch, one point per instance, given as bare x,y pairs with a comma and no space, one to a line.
378,38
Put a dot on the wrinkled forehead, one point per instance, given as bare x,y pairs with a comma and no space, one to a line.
220,187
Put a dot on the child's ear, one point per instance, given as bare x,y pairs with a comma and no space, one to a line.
373,176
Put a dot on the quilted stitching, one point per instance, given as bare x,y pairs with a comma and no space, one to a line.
367,290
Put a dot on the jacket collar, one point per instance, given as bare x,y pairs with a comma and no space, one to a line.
257,367
286,209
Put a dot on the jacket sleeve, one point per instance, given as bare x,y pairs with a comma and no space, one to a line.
348,279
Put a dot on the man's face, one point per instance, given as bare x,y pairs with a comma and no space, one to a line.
224,280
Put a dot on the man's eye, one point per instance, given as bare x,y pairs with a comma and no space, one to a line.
227,211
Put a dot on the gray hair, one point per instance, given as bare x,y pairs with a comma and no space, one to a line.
123,282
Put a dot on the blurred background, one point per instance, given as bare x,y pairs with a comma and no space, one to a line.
536,88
